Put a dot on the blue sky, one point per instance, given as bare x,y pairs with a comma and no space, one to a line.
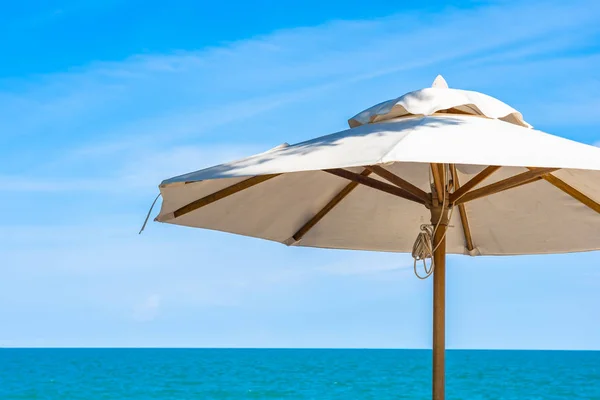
101,100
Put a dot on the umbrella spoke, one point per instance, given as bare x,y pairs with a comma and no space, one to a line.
374,184
462,211
477,179
532,175
401,183
571,191
325,210
221,194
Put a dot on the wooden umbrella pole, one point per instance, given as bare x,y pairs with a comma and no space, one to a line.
439,301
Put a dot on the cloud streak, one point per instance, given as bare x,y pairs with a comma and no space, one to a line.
148,309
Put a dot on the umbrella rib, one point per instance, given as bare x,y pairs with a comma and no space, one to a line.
221,194
328,207
476,180
534,174
401,183
571,191
462,211
374,184
437,171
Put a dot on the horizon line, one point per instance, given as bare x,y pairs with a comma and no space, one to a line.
269,348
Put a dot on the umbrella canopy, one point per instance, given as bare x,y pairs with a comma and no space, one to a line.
368,187
404,163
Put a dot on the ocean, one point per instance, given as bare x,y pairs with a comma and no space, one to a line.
145,374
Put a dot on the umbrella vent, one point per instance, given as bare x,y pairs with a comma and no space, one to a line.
439,98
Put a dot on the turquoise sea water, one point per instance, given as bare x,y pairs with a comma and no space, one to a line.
140,374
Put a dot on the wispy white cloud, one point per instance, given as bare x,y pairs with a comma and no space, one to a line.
120,170
365,266
120,127
148,309
28,184
180,92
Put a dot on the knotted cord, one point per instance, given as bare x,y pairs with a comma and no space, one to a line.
423,248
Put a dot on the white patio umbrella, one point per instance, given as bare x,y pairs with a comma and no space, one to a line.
396,176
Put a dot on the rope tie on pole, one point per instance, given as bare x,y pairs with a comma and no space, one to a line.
423,248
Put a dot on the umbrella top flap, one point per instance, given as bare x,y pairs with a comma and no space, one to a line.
439,99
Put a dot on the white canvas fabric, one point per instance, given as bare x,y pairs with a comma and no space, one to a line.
535,218
439,98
